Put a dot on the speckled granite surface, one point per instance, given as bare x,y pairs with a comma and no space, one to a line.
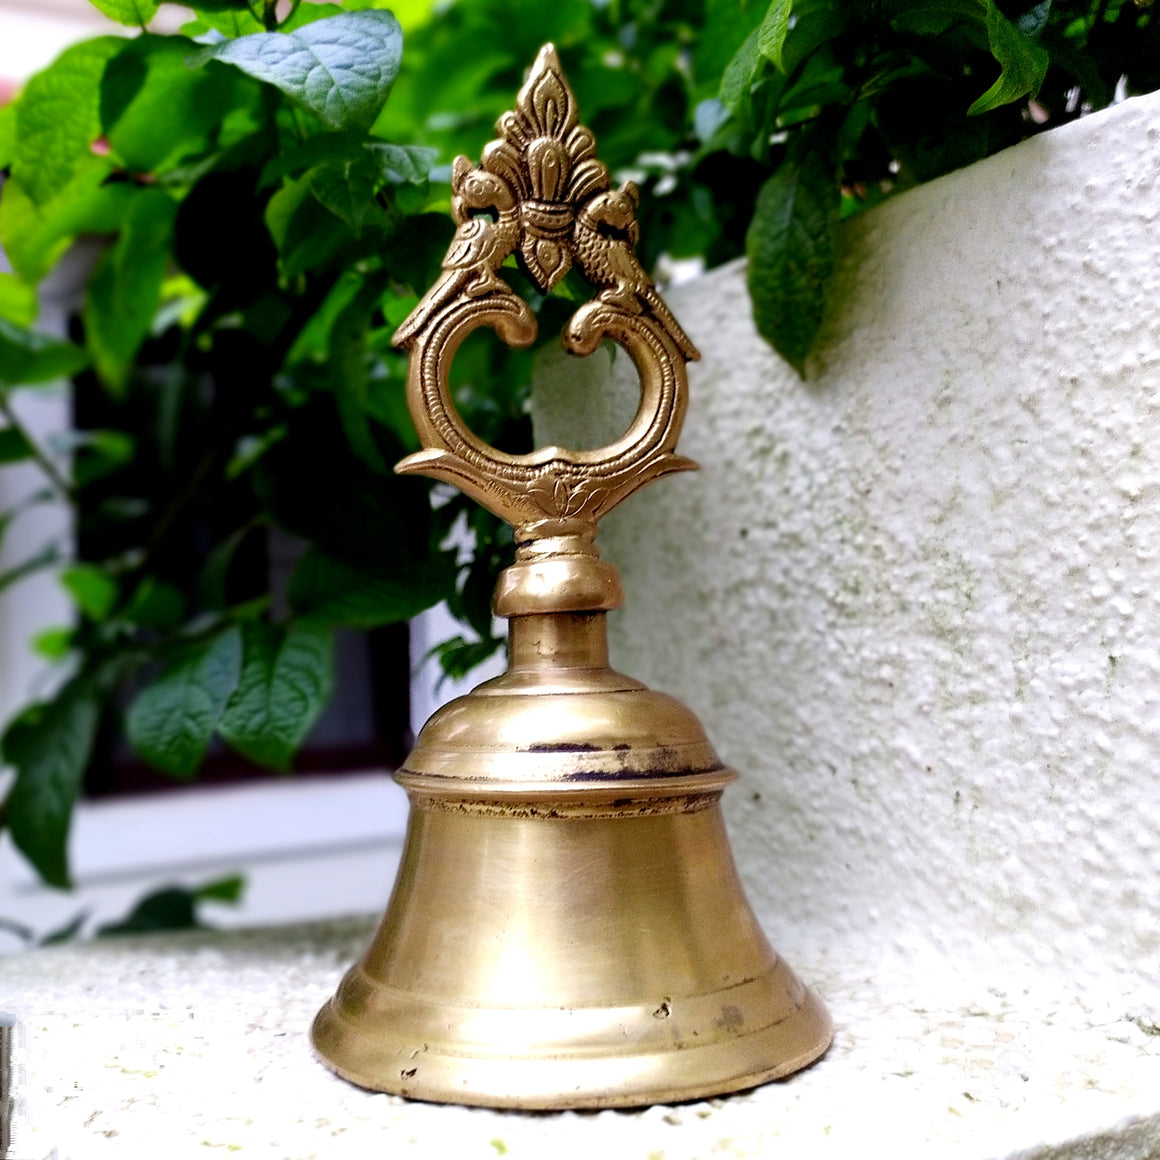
195,1046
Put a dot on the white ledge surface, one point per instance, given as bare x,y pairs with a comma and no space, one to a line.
195,1045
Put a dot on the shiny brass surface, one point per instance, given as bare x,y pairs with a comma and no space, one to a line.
567,929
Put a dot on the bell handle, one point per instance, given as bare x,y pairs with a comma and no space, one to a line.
552,491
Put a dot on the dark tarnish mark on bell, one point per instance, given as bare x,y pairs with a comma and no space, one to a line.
731,1018
560,747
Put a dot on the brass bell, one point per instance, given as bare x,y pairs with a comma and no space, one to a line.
568,929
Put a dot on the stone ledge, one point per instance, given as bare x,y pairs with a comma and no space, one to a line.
195,1045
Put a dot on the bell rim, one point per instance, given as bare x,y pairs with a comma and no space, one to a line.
713,1068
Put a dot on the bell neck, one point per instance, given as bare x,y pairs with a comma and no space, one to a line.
557,641
558,574
556,597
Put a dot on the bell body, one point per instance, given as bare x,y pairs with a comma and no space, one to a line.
568,928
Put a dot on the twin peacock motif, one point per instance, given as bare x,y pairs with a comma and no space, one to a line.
539,193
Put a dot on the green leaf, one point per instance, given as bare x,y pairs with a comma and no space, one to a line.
65,933
282,208
170,908
235,22
340,68
458,656
126,287
335,591
17,300
34,237
382,523
817,85
138,12
58,119
155,111
349,372
773,30
726,25
315,150
14,446
100,453
347,189
22,932
155,604
309,13
21,225
1024,63
387,402
790,247
174,907
313,341
737,80
49,746
212,581
314,237
471,602
396,307
122,509
228,889
250,448
234,18
1075,60
7,135
182,300
9,516
171,721
404,164
287,675
814,23
934,17
53,644
94,591
27,357
308,236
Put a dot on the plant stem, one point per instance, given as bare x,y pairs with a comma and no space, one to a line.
299,127
58,481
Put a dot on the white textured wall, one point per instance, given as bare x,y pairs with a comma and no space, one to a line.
916,599
37,603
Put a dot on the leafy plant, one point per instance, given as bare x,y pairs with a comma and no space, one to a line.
269,191
234,342
166,909
848,103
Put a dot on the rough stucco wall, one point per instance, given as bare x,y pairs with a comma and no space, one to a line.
916,599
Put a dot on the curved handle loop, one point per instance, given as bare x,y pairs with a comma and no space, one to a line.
552,491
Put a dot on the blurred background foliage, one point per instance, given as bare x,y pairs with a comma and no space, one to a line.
258,239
